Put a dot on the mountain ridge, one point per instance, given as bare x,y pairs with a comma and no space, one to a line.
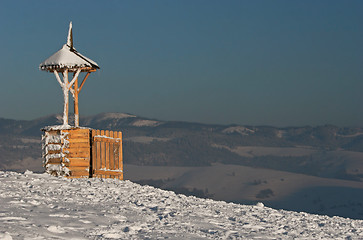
326,153
176,143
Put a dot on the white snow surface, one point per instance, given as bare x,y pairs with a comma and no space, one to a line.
65,58
239,129
146,123
106,116
40,206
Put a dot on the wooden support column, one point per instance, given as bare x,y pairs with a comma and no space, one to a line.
76,109
66,98
76,91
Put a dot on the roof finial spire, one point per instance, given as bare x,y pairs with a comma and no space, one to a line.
70,36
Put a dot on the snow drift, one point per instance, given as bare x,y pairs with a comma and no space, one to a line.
39,206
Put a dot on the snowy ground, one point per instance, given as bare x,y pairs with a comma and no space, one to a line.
39,206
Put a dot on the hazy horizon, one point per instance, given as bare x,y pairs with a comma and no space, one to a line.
178,120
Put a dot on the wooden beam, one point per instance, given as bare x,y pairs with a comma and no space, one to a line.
84,80
76,109
60,70
74,78
65,93
58,78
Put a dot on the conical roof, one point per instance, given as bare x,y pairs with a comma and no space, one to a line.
68,58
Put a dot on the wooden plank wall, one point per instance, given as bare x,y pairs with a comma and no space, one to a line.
107,154
77,151
87,153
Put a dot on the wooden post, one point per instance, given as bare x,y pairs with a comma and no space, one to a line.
112,161
76,109
107,151
103,161
98,132
120,160
76,91
116,152
65,93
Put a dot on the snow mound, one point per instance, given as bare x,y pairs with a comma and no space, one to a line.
146,123
106,116
39,206
5,236
239,129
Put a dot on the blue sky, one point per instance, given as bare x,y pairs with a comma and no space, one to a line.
280,63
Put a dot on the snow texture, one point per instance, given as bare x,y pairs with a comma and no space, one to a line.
103,136
111,170
65,58
146,123
113,116
39,206
62,127
70,36
58,143
239,129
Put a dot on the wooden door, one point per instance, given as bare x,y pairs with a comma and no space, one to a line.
106,154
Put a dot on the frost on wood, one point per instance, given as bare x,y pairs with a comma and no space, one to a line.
111,170
103,136
53,148
65,61
66,87
62,127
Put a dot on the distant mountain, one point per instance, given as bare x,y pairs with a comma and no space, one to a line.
324,151
296,168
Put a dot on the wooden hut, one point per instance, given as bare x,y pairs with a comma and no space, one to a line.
82,152
74,151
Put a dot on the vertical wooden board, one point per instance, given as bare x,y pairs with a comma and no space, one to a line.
114,146
114,151
94,153
107,150
102,151
116,155
112,162
120,152
98,149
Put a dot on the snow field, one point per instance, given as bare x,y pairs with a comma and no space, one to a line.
40,206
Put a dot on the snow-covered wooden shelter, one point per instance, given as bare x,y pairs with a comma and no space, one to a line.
68,60
74,151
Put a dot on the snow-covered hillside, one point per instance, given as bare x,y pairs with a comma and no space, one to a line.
39,206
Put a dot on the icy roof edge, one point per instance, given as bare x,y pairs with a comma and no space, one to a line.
62,127
93,63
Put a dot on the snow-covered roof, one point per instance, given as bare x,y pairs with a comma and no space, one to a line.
68,58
